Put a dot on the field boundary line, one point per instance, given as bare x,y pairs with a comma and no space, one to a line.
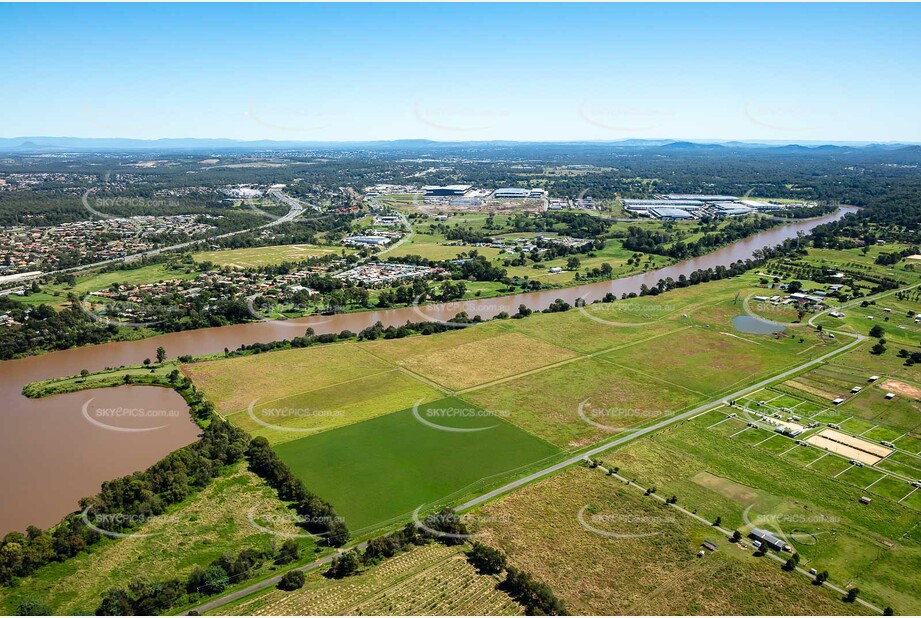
652,377
822,456
884,475
789,449
908,494
843,471
563,362
765,440
618,441
411,373
313,390
728,534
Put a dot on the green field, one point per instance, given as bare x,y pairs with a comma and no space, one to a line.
253,257
378,471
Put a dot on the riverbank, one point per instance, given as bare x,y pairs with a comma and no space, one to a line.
29,448
477,291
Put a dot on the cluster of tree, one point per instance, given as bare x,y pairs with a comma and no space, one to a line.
655,241
894,257
476,268
146,597
377,331
416,291
42,328
443,527
891,215
806,212
467,235
911,358
316,515
718,272
536,597
576,224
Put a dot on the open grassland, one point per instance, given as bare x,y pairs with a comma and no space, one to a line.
856,258
437,247
615,324
794,492
539,528
194,532
818,387
429,580
310,412
456,364
253,257
547,403
380,470
711,358
235,382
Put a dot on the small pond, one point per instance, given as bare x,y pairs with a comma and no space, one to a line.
756,326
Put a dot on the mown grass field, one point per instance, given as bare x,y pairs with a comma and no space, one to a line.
382,469
252,257
194,532
429,580
539,528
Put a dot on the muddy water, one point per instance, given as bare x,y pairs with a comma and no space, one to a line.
51,455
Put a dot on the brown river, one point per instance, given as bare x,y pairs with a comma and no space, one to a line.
55,450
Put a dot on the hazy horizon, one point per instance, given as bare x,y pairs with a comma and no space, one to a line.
485,72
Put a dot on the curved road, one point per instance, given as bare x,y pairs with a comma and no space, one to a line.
295,209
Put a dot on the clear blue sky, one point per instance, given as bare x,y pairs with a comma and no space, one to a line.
462,72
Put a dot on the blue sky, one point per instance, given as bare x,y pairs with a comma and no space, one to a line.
791,72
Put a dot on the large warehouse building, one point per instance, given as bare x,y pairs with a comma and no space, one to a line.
449,190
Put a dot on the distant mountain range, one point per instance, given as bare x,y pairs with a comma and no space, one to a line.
38,145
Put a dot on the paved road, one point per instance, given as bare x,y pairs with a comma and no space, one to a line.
295,209
406,238
273,581
261,585
646,430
